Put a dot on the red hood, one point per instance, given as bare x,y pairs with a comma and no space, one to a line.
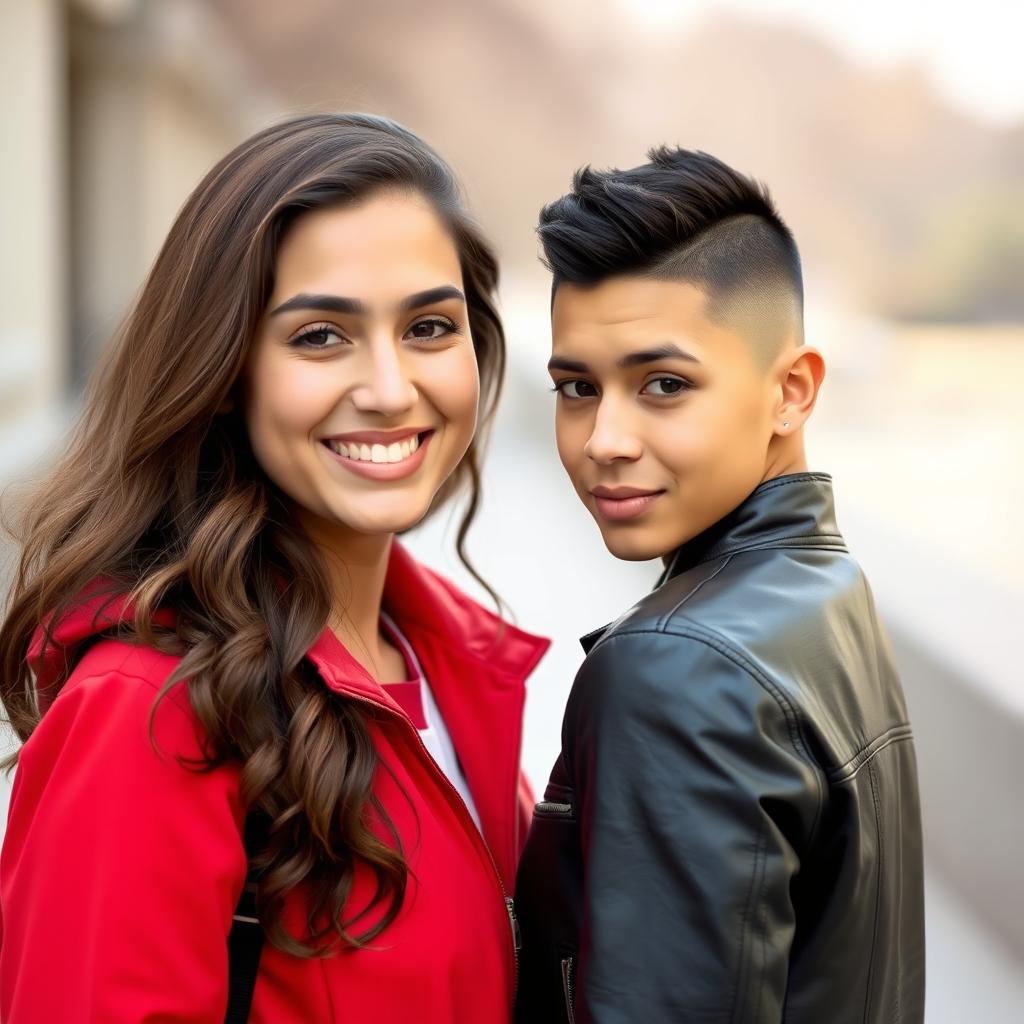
412,592
52,654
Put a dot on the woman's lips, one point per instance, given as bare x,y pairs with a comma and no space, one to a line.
627,503
365,466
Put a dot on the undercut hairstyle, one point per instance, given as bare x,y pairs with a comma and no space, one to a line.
684,216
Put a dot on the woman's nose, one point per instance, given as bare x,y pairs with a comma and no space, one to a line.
387,387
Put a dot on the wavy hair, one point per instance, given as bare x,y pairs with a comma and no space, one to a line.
161,498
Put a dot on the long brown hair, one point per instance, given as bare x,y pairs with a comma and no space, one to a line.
159,495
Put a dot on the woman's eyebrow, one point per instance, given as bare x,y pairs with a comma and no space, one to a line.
430,296
353,307
328,303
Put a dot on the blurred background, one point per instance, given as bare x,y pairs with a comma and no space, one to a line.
892,136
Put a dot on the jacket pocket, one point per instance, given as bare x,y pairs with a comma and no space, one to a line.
568,978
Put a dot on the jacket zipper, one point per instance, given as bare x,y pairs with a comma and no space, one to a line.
567,971
510,908
517,939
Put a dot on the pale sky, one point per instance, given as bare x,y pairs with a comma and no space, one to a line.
971,50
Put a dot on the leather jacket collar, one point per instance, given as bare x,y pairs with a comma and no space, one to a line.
796,507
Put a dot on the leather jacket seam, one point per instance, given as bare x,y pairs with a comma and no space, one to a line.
717,643
867,753
789,712
755,875
829,542
663,622
878,892
762,922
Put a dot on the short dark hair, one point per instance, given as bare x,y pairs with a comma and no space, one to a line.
685,215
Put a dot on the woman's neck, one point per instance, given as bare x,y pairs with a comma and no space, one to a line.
357,566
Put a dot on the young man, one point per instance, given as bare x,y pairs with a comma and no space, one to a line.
732,830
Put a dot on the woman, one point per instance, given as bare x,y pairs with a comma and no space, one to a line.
213,632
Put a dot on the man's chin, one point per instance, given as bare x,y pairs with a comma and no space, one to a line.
631,546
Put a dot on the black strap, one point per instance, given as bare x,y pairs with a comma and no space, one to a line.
245,941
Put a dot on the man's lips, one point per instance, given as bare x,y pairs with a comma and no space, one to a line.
619,493
622,503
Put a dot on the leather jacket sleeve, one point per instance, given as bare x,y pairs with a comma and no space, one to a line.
696,796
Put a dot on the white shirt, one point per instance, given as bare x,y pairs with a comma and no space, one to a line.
435,735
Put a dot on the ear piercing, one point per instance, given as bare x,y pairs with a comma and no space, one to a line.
785,423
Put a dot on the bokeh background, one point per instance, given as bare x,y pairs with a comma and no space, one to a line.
892,136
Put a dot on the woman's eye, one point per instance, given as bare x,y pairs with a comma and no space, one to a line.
664,387
431,330
575,389
320,336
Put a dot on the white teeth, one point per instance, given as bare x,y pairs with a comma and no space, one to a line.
397,452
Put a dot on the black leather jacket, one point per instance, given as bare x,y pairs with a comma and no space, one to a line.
732,831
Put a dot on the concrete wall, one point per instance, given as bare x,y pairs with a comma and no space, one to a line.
33,264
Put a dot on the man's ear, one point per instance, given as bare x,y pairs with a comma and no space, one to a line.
800,376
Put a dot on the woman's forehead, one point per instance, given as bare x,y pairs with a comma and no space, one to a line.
389,240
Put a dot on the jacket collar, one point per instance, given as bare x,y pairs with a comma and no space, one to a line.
794,509
424,604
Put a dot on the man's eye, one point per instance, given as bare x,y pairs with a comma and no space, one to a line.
575,389
431,330
663,387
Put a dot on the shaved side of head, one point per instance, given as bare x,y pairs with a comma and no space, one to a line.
745,271
684,216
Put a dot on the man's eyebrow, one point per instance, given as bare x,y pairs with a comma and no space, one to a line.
648,355
653,355
569,365
353,307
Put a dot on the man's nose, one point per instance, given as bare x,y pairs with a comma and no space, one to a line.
613,436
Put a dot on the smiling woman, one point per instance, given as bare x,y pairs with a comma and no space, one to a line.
215,635
367,346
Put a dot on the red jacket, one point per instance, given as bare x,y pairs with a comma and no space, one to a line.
121,869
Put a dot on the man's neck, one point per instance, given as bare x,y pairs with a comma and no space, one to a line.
785,455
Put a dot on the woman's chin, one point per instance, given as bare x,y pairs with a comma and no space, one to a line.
378,521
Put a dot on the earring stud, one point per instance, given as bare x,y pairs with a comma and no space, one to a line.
785,423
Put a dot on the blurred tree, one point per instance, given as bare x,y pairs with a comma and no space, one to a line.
970,266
